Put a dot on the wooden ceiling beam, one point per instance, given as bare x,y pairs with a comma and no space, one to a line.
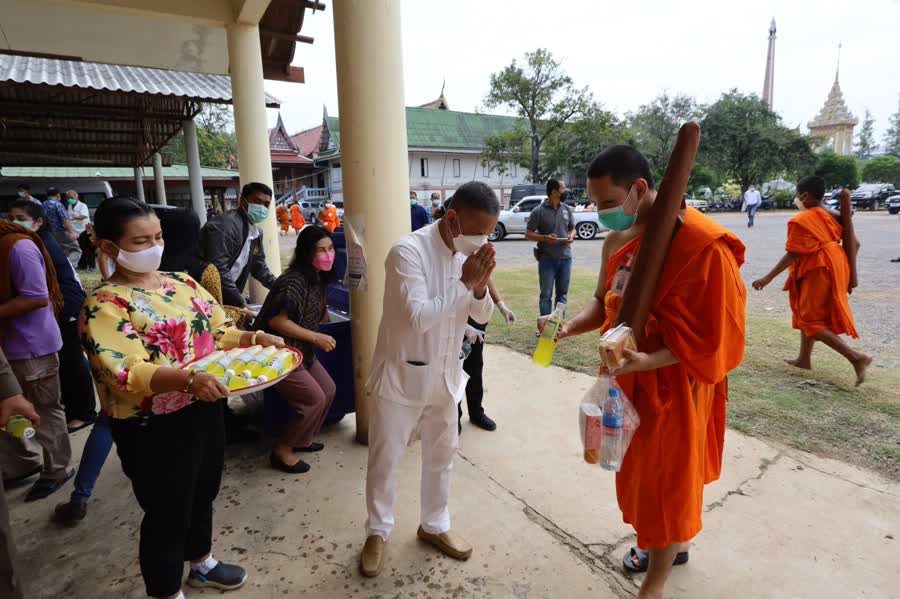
291,37
274,72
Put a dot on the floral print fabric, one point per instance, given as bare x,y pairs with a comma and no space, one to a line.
129,332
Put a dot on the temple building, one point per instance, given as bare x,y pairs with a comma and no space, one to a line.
444,152
834,124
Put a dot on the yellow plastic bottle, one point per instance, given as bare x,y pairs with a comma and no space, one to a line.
235,382
19,427
277,364
543,353
258,361
206,361
239,364
220,366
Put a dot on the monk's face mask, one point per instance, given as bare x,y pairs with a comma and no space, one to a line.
799,202
621,217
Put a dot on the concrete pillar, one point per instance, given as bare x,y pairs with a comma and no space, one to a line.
192,150
374,156
158,179
252,131
139,183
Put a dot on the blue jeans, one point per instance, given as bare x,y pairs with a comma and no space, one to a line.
751,214
554,271
92,459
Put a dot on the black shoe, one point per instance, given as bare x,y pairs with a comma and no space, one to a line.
44,487
311,448
299,468
226,577
70,513
484,422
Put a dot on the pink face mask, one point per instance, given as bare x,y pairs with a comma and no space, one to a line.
324,261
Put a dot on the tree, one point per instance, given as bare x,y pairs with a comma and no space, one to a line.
577,143
510,147
865,143
543,95
892,135
216,140
838,171
884,169
655,126
746,141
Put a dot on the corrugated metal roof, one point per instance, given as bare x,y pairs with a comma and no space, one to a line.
91,75
429,128
176,171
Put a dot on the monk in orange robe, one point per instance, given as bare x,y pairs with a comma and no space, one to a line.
694,337
297,220
284,220
819,281
329,217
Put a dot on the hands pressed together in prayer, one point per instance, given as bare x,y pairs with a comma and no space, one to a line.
477,269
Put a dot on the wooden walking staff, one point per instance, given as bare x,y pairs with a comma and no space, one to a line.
848,240
651,256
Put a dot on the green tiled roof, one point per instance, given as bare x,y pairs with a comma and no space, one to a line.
430,128
176,171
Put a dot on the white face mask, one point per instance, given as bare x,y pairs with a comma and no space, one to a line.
468,244
799,204
143,261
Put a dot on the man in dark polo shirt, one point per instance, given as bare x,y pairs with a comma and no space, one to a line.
552,225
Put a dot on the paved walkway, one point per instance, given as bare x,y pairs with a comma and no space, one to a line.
780,524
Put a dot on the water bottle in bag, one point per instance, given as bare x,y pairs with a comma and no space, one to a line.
611,436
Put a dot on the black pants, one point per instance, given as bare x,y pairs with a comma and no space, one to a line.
175,465
88,252
75,379
473,365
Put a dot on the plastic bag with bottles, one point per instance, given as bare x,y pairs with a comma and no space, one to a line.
608,421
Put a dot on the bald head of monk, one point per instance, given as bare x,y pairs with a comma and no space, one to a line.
810,191
620,183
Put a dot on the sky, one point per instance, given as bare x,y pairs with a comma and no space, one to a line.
629,51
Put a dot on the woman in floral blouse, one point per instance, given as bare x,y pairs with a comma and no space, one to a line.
139,328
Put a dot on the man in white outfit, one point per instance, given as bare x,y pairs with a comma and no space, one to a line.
436,278
752,200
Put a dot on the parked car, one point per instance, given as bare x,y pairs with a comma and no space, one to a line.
871,196
520,191
701,205
893,204
514,221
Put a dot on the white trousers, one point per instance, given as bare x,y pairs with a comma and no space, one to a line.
390,427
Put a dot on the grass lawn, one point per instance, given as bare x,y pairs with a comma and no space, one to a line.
819,411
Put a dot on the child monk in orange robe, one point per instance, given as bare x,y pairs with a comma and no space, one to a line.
284,220
678,384
297,220
819,281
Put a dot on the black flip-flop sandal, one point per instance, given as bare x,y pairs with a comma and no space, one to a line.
644,560
44,487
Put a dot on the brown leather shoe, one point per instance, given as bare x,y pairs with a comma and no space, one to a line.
371,561
449,543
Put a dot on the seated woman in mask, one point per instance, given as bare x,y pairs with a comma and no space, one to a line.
294,308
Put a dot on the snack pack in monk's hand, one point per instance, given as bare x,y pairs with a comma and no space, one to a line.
613,344
606,434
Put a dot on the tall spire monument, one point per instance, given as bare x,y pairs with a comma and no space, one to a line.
834,124
769,83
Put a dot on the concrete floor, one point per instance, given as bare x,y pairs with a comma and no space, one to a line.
544,524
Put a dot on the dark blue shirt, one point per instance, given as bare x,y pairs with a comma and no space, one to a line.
56,215
73,292
418,216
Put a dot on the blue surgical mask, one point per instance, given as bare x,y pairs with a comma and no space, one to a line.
25,223
413,202
615,219
21,194
257,213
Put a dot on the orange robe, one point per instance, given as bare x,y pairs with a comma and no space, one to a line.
297,220
330,219
820,275
283,218
698,313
